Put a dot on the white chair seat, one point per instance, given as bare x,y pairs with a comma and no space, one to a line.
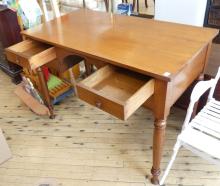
208,119
204,131
201,141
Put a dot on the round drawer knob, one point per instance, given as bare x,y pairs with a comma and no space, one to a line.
17,61
98,104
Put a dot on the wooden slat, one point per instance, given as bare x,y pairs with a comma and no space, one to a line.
205,130
201,141
210,117
208,123
213,114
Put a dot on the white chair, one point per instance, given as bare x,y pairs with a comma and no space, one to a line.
190,12
201,135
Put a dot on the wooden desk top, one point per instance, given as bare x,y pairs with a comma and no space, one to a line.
151,47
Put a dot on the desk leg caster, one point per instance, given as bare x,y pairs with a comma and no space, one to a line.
52,116
51,111
159,134
155,174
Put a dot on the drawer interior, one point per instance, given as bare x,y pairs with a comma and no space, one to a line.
117,91
115,83
31,54
28,48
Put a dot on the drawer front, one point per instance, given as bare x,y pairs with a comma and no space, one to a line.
139,98
42,58
112,107
30,54
18,60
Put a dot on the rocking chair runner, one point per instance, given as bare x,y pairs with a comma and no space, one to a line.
201,135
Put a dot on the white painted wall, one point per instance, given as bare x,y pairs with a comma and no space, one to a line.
190,12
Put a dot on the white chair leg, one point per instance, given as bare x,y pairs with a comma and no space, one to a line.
175,151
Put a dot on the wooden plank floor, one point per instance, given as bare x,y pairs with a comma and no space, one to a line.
87,147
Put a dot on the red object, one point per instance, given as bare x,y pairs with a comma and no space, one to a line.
46,73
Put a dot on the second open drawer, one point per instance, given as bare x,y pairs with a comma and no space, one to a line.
117,91
30,54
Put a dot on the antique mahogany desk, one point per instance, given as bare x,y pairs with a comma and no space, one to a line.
139,61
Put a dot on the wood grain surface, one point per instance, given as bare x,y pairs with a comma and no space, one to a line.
155,48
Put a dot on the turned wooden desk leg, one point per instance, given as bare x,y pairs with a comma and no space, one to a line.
158,142
162,92
45,91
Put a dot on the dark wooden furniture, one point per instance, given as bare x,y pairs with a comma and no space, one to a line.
9,35
212,18
106,5
167,67
136,2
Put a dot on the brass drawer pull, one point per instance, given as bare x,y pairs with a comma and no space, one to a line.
98,104
17,61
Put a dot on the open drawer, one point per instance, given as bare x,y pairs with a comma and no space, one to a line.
117,91
30,54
